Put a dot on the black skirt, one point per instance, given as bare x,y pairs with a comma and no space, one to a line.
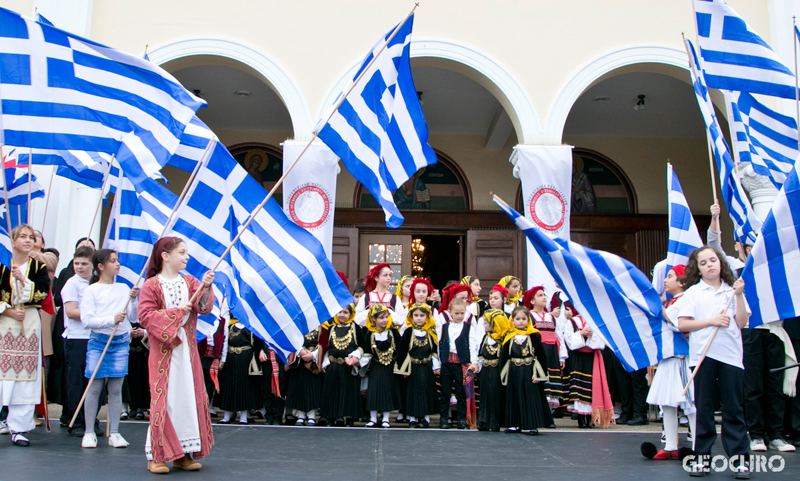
341,392
303,389
136,381
580,377
526,403
421,396
383,392
490,406
237,389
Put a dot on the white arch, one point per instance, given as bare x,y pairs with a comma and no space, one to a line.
523,114
284,86
583,78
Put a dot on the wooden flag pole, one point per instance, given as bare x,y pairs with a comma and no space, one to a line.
141,274
28,205
311,141
100,202
796,81
47,197
5,193
705,349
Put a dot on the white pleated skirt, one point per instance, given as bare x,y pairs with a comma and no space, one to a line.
668,383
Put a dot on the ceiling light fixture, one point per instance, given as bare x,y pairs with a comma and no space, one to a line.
640,104
419,96
197,93
601,98
242,93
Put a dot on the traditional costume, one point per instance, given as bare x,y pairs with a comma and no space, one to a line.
458,348
476,306
589,396
380,354
20,346
491,406
513,301
136,389
240,379
341,391
304,381
554,347
523,358
418,358
179,420
388,299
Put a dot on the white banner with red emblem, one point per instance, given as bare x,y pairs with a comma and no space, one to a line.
546,175
309,191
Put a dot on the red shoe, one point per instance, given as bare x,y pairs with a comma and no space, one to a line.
661,454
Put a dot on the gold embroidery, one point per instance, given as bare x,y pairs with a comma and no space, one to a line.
421,341
341,343
39,296
5,297
384,357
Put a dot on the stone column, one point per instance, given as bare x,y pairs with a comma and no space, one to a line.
762,191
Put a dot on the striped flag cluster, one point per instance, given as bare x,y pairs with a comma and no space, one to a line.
683,234
276,278
761,136
745,222
768,273
64,92
617,299
735,57
379,131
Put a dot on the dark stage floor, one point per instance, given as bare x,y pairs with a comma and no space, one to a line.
296,454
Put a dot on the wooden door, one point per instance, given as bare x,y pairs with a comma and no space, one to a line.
344,253
393,249
493,254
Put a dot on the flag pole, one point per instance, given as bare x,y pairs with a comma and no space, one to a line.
336,106
796,81
28,205
100,202
47,195
705,349
141,274
111,210
5,192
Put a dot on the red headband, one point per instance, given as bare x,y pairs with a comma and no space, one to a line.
450,294
372,276
501,289
527,299
425,282
679,270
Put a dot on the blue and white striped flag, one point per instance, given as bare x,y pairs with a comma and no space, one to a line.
683,234
137,221
62,92
763,137
277,278
735,57
193,144
87,168
773,292
5,246
615,297
745,222
379,131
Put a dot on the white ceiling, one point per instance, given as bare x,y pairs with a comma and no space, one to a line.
670,108
262,110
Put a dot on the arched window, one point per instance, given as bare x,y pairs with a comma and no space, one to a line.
441,186
599,185
264,162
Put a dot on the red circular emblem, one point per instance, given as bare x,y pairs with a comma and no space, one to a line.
309,206
548,209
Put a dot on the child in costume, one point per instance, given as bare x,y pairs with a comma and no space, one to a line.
490,407
418,360
383,392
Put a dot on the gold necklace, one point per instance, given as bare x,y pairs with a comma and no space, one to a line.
313,335
341,343
421,341
384,357
492,350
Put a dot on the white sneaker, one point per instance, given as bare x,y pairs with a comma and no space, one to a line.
663,437
117,441
758,445
89,440
781,445
3,427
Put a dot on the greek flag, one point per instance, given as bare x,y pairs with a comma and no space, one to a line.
735,57
193,144
87,168
773,292
763,137
5,246
683,234
277,278
62,92
616,298
137,221
16,181
745,222
379,131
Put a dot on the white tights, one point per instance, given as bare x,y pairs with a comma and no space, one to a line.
671,427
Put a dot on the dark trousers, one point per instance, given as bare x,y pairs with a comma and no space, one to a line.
763,391
791,423
731,386
205,363
452,379
632,390
75,360
273,405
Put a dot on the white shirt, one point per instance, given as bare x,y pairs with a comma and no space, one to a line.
659,274
73,292
453,331
575,340
102,302
702,301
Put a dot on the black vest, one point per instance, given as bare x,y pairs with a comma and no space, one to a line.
462,342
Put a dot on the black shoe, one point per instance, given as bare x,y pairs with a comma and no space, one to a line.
323,421
623,419
462,424
582,422
444,423
742,472
224,421
139,416
348,423
551,426
638,421
20,440
275,422
533,432
412,425
423,424
698,471
558,414
512,430
339,422
77,431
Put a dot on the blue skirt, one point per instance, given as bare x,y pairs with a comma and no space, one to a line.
115,362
